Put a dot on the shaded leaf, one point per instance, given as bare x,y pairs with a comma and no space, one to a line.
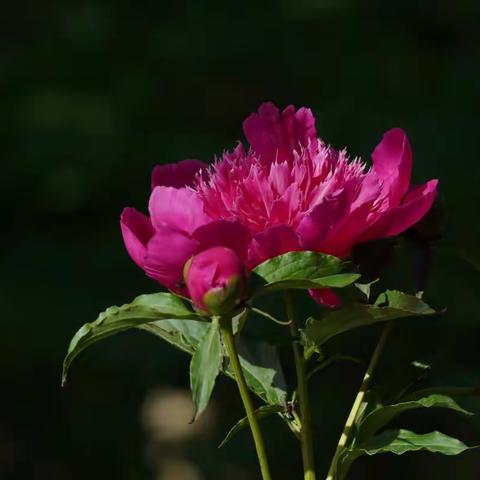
262,369
239,320
259,360
184,335
144,309
262,412
451,391
389,306
380,417
205,367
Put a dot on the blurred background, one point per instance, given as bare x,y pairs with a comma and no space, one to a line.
93,95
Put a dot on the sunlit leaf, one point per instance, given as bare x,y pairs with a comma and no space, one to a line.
380,417
300,270
403,441
399,442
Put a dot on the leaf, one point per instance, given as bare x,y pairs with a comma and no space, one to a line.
144,309
300,270
366,288
403,441
380,417
262,412
205,367
239,320
183,335
259,360
451,391
262,369
389,306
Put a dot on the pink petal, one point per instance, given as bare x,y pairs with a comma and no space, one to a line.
397,219
276,136
326,297
345,234
167,253
316,226
271,243
181,174
178,208
137,231
216,280
224,233
392,162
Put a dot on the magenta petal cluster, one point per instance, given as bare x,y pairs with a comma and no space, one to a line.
289,191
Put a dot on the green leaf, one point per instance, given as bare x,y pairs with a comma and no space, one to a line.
400,442
389,306
239,320
262,412
260,361
366,288
262,369
403,441
300,270
183,335
380,417
451,391
144,309
205,367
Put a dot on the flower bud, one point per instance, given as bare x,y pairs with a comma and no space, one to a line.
216,280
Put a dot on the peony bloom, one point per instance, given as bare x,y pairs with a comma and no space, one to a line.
216,280
290,191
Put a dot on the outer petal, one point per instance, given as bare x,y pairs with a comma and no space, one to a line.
317,225
216,280
181,174
276,136
271,243
325,297
178,208
396,220
392,162
137,231
167,253
345,234
224,233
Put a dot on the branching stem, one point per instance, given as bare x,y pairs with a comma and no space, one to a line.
359,400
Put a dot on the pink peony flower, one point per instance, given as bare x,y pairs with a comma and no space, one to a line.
216,280
290,191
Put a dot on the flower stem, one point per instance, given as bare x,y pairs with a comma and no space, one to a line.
359,400
303,397
227,334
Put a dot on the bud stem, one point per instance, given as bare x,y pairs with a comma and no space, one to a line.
227,334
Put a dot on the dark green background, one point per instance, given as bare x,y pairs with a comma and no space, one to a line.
95,93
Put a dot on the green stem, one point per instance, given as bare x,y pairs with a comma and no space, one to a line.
227,333
268,316
359,400
303,397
